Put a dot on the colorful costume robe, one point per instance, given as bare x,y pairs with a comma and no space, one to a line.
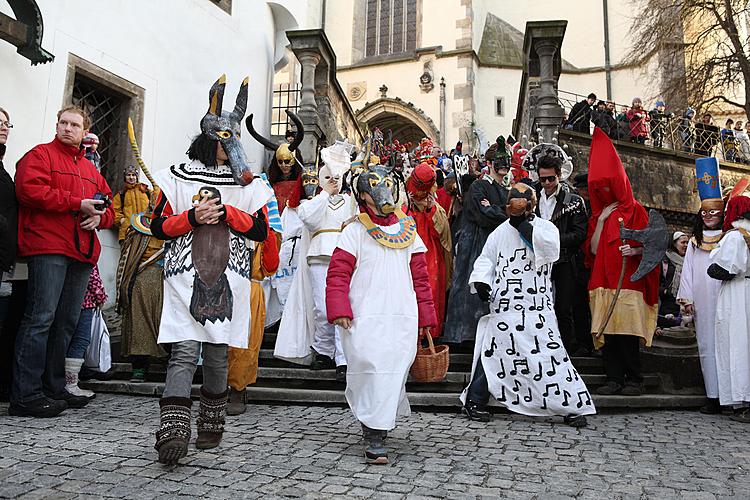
180,184
519,345
637,305
243,363
699,289
733,318
433,228
385,291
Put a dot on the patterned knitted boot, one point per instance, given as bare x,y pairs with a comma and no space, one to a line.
211,418
174,432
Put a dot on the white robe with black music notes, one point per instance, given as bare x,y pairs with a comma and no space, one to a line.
527,368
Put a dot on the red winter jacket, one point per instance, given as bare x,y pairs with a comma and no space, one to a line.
51,181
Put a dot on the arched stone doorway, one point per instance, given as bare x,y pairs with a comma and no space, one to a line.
408,123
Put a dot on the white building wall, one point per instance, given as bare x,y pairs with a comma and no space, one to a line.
174,49
491,84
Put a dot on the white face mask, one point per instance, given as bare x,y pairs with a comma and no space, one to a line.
325,175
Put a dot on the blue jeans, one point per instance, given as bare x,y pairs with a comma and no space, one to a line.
56,288
82,336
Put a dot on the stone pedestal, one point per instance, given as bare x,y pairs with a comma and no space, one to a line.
321,97
542,66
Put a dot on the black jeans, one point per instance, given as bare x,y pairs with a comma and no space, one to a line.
9,326
56,288
622,359
479,391
563,276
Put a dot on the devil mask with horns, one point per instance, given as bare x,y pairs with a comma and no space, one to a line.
223,126
288,161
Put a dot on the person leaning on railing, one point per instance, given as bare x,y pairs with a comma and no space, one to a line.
706,136
638,119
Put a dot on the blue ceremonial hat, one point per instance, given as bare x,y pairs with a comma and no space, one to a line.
707,175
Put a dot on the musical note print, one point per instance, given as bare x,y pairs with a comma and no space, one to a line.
540,324
489,352
580,399
501,373
520,362
523,254
517,286
535,350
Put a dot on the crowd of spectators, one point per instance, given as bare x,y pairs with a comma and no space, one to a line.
662,128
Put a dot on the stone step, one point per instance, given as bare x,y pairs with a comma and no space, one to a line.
458,362
441,401
298,376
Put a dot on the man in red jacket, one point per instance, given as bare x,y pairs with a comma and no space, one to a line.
61,205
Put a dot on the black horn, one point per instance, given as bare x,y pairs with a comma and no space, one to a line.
267,143
299,134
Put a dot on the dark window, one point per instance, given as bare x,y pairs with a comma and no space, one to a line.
391,27
105,108
225,5
499,106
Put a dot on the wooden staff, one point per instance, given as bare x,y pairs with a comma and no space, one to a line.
617,292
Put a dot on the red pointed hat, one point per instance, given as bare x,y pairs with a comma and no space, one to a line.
422,179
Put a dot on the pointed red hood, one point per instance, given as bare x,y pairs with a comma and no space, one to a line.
608,183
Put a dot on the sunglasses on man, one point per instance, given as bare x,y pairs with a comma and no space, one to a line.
549,178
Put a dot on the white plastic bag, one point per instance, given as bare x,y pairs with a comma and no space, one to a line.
99,355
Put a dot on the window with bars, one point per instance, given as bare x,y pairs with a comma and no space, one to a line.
105,108
285,96
391,27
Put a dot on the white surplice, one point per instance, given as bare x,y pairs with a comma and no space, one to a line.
528,370
381,344
699,289
733,320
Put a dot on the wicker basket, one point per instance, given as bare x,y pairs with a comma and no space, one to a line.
431,363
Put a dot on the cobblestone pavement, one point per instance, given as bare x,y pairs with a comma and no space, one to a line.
106,450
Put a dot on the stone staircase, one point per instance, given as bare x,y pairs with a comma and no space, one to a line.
283,382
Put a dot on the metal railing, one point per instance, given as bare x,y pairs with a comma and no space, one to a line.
285,96
662,130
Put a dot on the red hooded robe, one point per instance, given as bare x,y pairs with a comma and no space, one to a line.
434,230
637,305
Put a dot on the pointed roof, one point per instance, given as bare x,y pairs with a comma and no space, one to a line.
502,45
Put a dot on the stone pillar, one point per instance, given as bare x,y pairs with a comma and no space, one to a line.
309,60
538,106
549,112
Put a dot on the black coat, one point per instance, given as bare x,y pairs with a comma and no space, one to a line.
580,116
465,308
571,219
8,218
605,120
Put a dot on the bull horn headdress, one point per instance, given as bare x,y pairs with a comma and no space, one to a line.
283,151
